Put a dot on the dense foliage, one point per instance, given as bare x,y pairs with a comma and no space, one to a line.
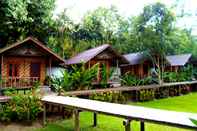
132,80
113,97
185,74
21,107
22,18
78,78
154,29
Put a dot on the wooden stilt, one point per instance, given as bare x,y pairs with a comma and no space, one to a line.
95,119
44,114
142,127
76,115
50,70
63,112
2,64
126,123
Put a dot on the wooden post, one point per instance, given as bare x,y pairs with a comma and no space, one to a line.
95,119
126,123
76,115
142,127
88,64
2,64
63,112
44,114
50,69
50,66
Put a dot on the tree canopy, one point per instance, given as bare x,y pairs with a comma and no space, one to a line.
153,30
22,18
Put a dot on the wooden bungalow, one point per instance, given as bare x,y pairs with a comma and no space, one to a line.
176,62
103,55
140,65
25,62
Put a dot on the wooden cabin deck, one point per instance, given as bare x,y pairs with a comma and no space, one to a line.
19,82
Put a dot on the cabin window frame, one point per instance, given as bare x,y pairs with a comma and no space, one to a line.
14,70
32,68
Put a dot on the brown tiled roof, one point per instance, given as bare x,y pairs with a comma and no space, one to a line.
36,42
91,53
178,60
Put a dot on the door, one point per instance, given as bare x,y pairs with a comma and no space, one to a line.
35,70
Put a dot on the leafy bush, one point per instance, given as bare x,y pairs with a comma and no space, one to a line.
63,83
78,78
194,73
82,77
145,95
184,74
146,81
114,97
105,75
23,107
170,77
131,80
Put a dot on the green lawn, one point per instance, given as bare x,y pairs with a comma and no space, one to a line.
186,103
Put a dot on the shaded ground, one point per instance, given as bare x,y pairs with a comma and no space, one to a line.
19,127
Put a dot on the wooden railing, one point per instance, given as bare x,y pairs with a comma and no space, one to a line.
18,82
128,88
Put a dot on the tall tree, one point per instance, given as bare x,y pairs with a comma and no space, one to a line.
21,18
61,41
153,27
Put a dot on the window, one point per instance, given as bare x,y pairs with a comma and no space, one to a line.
13,70
35,70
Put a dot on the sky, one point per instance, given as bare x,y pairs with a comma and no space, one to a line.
77,8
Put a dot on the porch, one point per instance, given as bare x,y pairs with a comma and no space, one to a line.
25,62
18,82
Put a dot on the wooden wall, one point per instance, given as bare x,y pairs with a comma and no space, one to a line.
24,66
139,70
95,61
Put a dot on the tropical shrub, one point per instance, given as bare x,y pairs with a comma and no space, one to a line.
170,77
145,95
113,97
162,92
194,73
82,77
78,78
129,80
185,74
146,81
105,76
21,107
61,84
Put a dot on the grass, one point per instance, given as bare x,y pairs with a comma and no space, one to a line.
186,103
